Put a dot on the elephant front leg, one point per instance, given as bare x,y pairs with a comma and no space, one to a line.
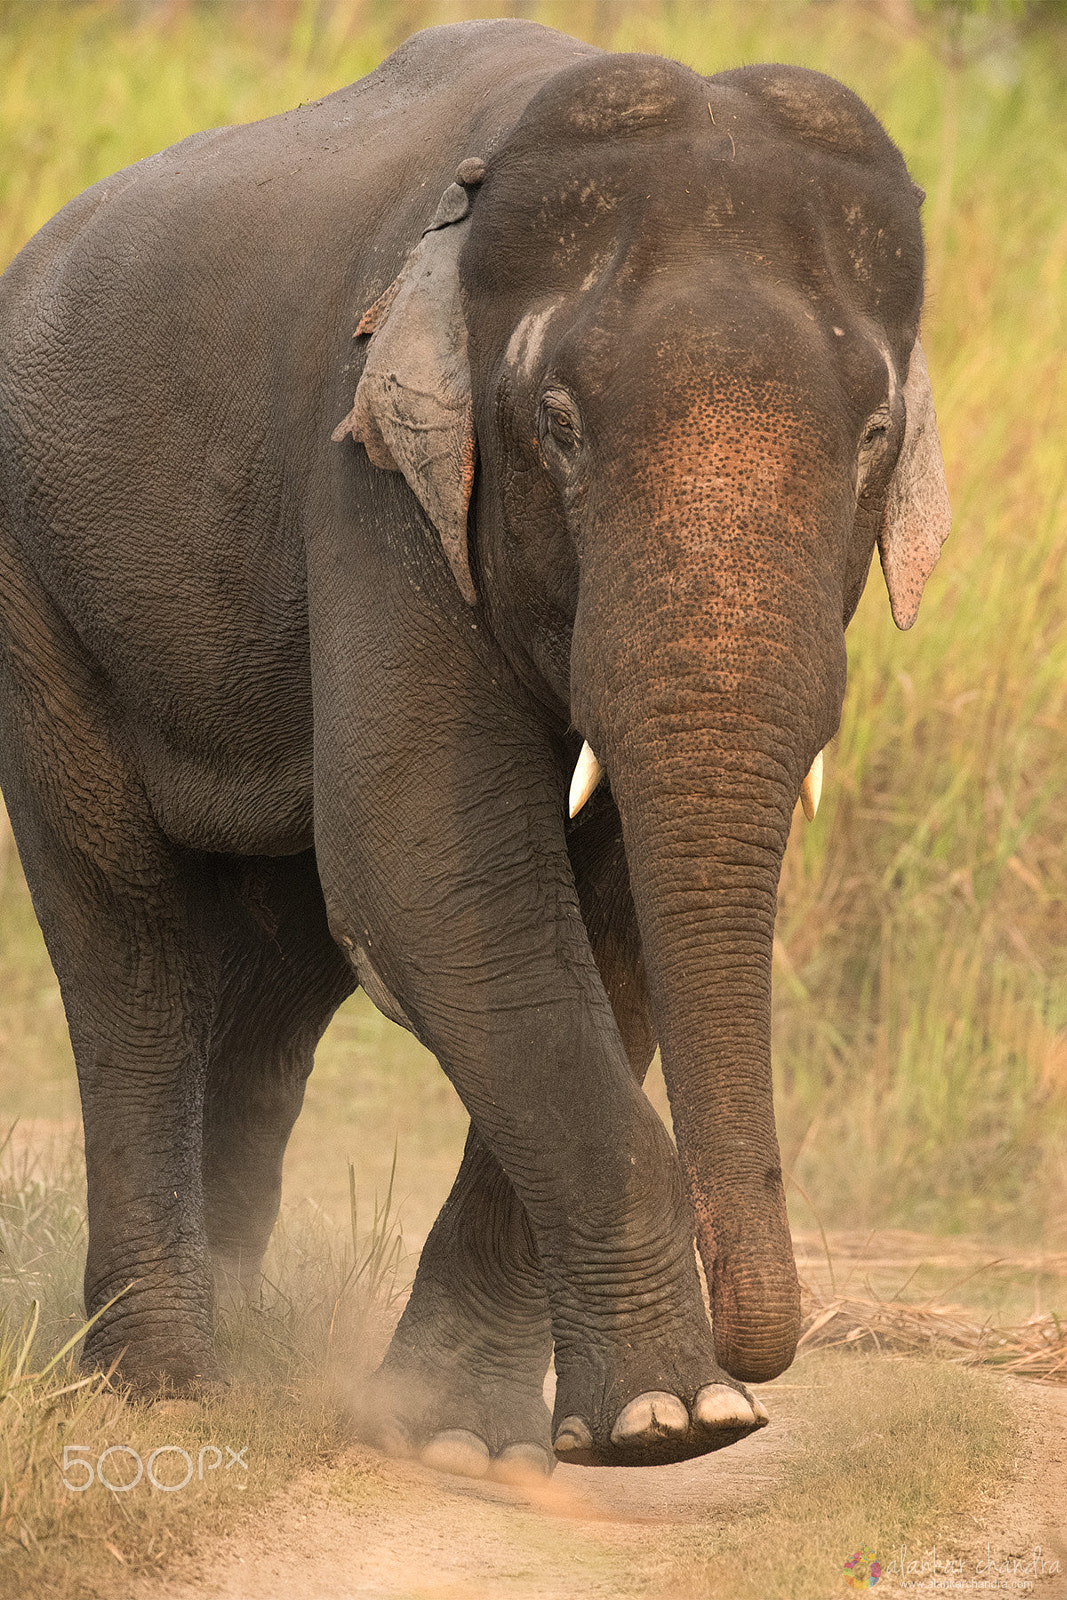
147,1275
469,914
131,938
130,923
139,1004
461,1383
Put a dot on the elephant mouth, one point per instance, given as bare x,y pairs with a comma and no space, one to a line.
588,772
587,775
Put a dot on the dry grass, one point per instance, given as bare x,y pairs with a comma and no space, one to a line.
884,1452
1036,1348
296,1358
855,1296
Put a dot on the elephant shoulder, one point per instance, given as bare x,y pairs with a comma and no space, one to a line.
43,256
464,49
231,187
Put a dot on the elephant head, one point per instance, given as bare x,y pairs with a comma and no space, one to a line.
674,321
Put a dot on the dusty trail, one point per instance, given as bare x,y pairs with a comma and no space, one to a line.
377,1529
1025,1523
1034,1511
397,1532
366,1529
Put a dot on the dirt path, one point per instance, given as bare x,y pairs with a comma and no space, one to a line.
1012,1542
377,1529
1033,1515
386,1531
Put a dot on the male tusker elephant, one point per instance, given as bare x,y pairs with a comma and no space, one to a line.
304,637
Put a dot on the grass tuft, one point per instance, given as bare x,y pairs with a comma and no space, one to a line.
296,1354
1036,1348
890,1469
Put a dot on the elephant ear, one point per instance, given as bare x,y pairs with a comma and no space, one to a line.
917,514
412,407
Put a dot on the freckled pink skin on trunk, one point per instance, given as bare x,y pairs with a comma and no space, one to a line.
707,670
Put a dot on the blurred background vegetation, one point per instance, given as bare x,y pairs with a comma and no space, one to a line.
921,1002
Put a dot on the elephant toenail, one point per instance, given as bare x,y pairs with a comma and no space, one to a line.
457,1451
522,1463
763,1416
573,1435
656,1415
719,1406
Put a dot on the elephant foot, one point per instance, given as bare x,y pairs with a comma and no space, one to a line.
156,1369
466,1454
664,1421
470,1424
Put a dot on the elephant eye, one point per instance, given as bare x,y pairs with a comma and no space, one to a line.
560,421
873,449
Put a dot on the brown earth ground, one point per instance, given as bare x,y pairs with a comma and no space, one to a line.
370,1529
401,1530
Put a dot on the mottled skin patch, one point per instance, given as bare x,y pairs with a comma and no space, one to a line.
524,346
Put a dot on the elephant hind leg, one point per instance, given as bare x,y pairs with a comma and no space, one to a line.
281,979
461,1383
131,926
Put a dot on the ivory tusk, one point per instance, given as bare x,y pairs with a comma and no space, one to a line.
811,788
587,774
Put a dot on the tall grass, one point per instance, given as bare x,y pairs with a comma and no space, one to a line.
921,1008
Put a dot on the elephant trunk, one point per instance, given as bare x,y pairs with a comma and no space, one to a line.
705,875
707,694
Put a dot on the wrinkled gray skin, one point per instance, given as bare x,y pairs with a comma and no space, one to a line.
302,635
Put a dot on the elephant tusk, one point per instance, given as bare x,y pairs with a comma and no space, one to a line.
811,788
587,774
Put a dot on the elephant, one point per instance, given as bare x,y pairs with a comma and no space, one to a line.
430,519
